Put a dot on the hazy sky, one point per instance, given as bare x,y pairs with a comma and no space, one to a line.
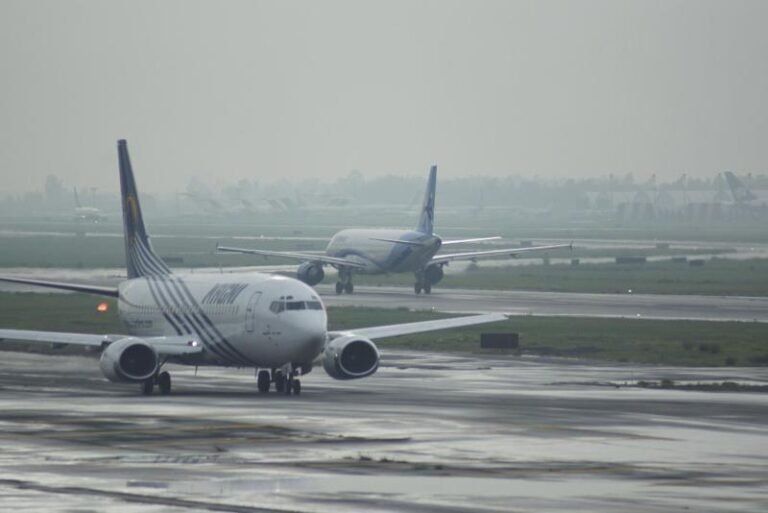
230,89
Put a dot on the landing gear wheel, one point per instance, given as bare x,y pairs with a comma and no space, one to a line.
164,383
148,386
296,387
427,289
279,380
339,287
417,288
349,288
263,381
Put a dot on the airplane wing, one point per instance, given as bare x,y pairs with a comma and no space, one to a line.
296,255
73,287
395,330
168,346
465,241
471,255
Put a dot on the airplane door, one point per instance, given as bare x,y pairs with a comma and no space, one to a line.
250,312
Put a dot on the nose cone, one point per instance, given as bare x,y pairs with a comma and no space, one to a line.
308,326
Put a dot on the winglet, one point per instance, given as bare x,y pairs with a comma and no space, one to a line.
427,218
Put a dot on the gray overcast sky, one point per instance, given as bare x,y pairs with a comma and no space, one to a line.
230,89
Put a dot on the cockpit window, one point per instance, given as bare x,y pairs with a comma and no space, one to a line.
282,305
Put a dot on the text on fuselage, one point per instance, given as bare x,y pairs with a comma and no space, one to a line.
224,293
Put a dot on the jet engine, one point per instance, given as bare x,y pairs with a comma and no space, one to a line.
433,274
350,357
310,273
129,360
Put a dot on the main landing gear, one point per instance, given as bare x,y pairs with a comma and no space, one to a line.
422,284
345,282
285,380
428,277
162,380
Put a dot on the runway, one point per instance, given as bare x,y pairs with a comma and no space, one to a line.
521,302
427,433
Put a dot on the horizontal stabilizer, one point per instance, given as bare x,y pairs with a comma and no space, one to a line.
467,241
398,241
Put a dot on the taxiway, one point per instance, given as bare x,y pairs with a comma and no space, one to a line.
427,433
521,302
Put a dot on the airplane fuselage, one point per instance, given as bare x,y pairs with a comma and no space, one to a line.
253,320
378,256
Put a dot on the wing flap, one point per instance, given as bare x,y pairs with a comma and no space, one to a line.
73,287
167,346
395,330
469,255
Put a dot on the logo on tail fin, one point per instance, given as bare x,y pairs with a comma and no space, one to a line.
140,258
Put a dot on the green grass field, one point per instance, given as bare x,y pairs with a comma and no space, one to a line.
715,277
624,340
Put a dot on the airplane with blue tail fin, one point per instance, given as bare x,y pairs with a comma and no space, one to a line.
385,251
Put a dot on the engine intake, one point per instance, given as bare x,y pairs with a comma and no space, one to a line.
310,273
433,274
128,360
350,357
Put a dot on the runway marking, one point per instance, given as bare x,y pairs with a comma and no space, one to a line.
139,498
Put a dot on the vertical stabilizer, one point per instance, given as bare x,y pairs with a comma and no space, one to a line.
77,199
427,217
140,258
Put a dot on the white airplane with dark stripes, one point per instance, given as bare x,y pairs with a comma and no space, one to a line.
274,324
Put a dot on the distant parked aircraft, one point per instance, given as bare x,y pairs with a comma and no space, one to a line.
740,192
89,214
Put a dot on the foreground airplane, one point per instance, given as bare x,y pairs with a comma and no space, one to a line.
384,251
272,323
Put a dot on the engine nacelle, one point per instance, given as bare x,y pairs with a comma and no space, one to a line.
433,273
350,357
310,273
129,360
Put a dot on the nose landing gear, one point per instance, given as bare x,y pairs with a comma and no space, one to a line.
285,380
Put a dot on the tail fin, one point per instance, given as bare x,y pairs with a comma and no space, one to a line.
427,218
140,258
738,189
77,198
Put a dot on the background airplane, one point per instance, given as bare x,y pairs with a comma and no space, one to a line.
275,324
89,214
384,251
741,194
